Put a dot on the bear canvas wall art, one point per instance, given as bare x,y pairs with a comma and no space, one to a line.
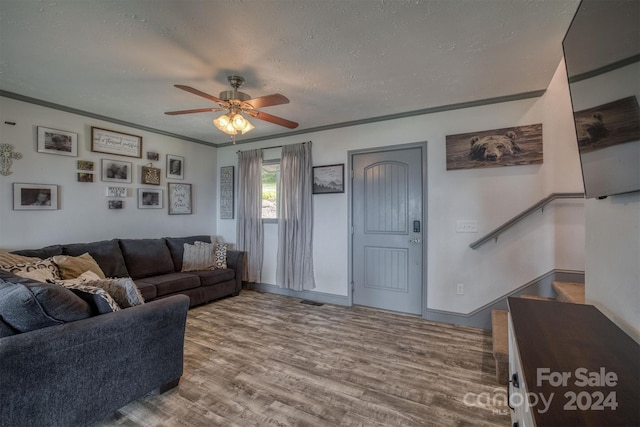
520,145
609,124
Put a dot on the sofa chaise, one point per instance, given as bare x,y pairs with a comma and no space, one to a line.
62,364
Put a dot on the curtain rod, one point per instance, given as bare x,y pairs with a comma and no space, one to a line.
275,146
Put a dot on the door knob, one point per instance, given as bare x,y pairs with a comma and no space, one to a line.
418,240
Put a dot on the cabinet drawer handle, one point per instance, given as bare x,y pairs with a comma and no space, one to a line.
516,384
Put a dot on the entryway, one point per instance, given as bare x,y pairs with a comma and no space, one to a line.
388,236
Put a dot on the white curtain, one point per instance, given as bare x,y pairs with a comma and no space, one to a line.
249,224
295,219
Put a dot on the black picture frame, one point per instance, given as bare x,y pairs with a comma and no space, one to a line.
328,179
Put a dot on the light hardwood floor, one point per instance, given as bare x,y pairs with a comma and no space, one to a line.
267,360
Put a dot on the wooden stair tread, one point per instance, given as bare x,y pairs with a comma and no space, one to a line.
500,334
569,292
538,297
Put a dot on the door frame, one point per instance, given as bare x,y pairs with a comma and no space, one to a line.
425,236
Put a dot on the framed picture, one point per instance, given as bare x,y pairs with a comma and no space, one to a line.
179,198
150,175
85,165
149,198
55,141
116,204
111,142
85,177
519,145
175,167
116,171
35,197
328,179
153,156
116,192
226,192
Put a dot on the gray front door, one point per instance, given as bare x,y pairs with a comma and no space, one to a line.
388,230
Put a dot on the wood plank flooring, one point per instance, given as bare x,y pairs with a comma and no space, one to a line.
267,360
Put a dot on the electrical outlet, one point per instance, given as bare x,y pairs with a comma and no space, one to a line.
466,226
460,289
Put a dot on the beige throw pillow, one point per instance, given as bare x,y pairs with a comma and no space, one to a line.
73,266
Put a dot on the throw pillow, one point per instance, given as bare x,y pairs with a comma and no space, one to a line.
72,267
221,256
121,289
8,258
29,306
97,298
198,256
42,271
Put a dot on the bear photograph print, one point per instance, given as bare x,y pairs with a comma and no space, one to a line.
520,145
609,124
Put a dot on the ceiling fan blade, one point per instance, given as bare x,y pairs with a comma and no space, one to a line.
199,93
273,119
268,100
197,110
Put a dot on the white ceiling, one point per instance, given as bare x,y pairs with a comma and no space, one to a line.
336,60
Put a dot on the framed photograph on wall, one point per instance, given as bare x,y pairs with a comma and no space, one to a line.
85,177
179,199
111,142
150,175
54,141
85,165
226,192
328,179
35,197
149,198
175,167
116,171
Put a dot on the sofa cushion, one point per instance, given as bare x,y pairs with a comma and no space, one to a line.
173,282
176,247
148,290
5,329
30,306
146,257
73,266
41,270
212,277
42,253
106,253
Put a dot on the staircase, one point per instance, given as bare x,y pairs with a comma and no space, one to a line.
566,292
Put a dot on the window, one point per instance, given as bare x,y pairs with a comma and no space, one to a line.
270,179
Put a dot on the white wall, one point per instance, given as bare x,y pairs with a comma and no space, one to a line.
83,215
490,196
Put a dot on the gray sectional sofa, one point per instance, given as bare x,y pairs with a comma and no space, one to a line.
155,265
63,365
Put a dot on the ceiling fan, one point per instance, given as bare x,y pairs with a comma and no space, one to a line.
235,104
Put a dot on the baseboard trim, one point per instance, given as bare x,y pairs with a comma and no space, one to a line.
478,318
481,317
304,295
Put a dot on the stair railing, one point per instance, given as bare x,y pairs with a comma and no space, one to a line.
493,235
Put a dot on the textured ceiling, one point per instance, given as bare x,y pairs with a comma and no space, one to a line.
336,60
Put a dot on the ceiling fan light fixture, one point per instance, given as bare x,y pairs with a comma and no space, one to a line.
239,122
247,128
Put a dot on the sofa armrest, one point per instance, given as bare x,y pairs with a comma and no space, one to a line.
80,372
235,260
